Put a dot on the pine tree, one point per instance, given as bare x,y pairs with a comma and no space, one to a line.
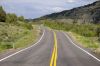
2,15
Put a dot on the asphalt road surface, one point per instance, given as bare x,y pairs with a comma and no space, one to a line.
54,49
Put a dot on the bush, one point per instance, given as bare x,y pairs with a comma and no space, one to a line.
98,32
2,15
87,30
11,18
21,18
99,39
7,46
26,25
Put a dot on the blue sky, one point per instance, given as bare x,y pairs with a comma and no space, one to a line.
37,8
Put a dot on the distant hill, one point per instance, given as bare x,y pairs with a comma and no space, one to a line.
85,14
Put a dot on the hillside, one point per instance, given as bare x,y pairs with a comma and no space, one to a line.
15,32
84,14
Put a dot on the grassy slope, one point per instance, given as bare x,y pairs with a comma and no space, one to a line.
27,39
88,42
18,35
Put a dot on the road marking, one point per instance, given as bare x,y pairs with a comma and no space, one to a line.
24,49
53,56
82,48
53,61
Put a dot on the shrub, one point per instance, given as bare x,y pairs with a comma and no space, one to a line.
11,18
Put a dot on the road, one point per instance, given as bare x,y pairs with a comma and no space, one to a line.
54,49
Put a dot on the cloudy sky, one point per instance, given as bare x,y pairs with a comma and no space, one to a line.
37,8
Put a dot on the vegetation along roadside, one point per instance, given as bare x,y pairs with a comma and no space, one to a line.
15,31
88,35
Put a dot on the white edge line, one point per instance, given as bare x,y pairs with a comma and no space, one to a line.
81,48
23,49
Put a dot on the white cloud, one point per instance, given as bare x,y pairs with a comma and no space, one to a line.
39,1
58,9
71,0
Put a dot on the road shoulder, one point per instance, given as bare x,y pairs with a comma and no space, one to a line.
77,43
10,52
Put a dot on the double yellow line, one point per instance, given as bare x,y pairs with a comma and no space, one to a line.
53,61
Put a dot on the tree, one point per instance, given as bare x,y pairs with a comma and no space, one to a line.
11,18
2,15
21,18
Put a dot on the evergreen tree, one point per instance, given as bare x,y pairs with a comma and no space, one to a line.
2,15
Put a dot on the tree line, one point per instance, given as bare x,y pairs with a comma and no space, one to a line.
12,29
9,17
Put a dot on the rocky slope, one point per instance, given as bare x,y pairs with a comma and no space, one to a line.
85,14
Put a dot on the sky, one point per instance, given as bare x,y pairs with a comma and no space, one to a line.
37,8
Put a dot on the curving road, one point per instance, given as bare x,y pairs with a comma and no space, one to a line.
54,49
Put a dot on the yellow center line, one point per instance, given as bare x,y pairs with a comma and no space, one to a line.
53,61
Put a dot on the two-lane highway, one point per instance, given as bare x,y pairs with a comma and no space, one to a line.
38,55
70,55
54,49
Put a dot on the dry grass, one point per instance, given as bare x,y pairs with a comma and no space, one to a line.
88,42
18,35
